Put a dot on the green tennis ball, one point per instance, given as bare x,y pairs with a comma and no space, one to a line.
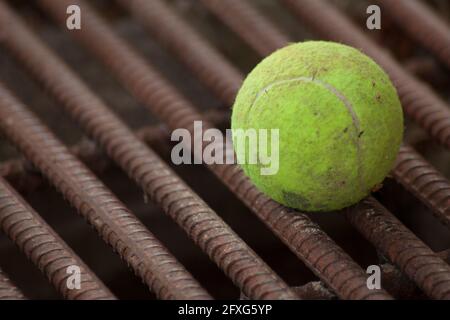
340,125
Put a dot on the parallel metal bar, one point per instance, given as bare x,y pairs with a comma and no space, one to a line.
156,13
424,181
422,24
433,190
392,278
8,291
149,259
314,290
402,247
406,151
46,249
161,184
238,15
22,174
418,100
296,230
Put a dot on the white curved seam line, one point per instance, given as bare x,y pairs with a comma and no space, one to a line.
341,97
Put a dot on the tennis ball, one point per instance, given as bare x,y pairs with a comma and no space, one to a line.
339,121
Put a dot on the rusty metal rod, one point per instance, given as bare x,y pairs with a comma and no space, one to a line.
25,177
421,179
160,183
295,229
418,100
46,249
155,14
8,290
313,290
393,279
434,185
421,24
177,35
238,15
149,259
443,187
402,247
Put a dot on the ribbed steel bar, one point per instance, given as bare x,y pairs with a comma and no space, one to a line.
424,181
22,173
402,247
162,185
445,255
433,189
113,221
298,232
46,249
314,290
238,15
8,291
421,24
438,185
156,15
418,100
395,281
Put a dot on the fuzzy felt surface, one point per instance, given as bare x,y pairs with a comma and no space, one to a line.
339,118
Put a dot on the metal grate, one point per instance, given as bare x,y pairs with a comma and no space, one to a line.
410,262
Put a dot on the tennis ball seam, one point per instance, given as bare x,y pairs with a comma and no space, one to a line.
348,105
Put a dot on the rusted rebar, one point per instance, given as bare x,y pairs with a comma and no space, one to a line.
46,249
160,183
8,291
149,259
25,177
424,181
229,11
409,152
418,100
179,37
156,14
402,247
392,278
296,230
314,290
421,24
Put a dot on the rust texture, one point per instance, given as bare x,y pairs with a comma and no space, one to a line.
424,181
45,248
421,24
402,247
418,100
161,184
417,176
314,290
113,221
157,16
409,152
238,15
25,177
8,291
295,229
